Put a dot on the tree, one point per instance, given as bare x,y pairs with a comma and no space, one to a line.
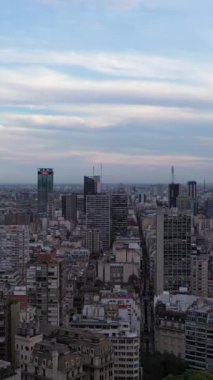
192,375
158,366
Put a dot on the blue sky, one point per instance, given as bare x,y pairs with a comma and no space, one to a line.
125,83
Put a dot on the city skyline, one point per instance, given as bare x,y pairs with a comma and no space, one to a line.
124,83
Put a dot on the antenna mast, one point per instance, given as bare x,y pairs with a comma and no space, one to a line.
173,174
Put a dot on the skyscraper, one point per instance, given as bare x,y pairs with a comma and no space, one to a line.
119,203
98,216
174,190
91,186
173,261
192,189
69,207
45,186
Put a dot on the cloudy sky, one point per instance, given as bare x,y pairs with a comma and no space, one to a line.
125,83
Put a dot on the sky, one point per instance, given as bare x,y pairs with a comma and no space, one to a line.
125,83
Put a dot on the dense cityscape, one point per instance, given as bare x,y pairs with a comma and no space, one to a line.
103,282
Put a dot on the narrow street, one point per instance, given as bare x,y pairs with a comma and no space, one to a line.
147,332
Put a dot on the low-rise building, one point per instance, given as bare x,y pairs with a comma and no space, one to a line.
170,315
55,361
27,336
124,341
117,273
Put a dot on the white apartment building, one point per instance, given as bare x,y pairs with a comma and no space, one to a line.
128,304
14,247
124,341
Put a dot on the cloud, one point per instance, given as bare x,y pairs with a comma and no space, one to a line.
129,64
130,116
44,86
122,4
107,158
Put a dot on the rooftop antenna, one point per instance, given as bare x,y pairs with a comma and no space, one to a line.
93,171
173,174
101,175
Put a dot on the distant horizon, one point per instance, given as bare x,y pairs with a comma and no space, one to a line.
105,183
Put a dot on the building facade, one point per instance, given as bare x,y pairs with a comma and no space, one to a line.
14,248
45,187
92,185
174,191
199,335
69,207
119,213
98,216
45,288
192,189
173,257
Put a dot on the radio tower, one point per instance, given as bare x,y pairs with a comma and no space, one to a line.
173,174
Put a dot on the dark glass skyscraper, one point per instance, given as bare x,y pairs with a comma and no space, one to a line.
174,191
45,187
192,189
91,186
69,207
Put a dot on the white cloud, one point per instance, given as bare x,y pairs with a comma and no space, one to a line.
147,100
56,100
128,64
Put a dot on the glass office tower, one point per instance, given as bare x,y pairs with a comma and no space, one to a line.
45,187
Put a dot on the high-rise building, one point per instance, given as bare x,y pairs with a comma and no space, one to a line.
45,287
174,191
80,203
192,189
9,318
209,208
116,314
173,259
14,248
92,240
51,206
91,186
192,193
119,212
45,186
69,207
199,271
98,216
199,335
